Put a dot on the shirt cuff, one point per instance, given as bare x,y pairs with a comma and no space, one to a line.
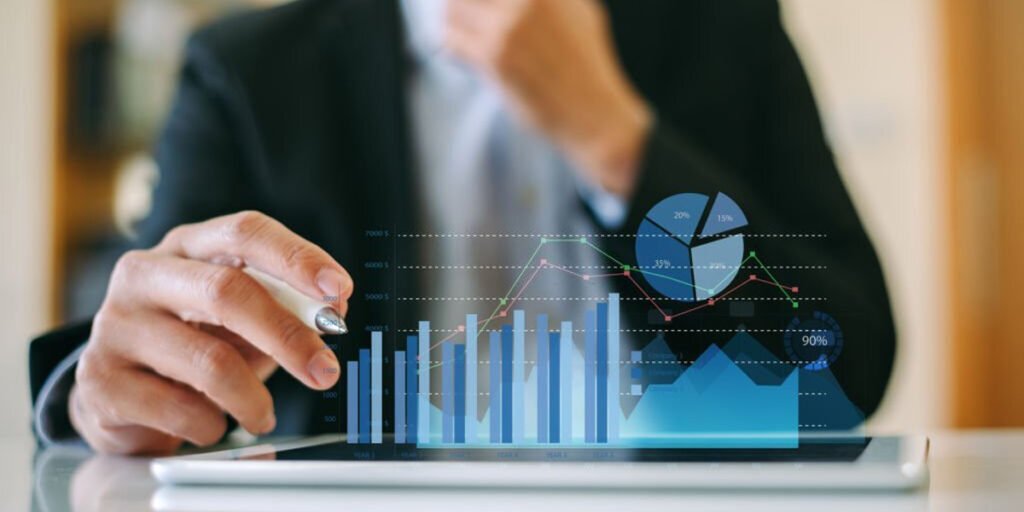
51,421
610,209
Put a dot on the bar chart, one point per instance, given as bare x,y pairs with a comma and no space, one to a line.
522,409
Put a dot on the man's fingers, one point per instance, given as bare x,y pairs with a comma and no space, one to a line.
209,365
261,242
153,402
226,296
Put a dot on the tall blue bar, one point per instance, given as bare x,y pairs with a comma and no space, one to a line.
518,376
602,372
589,376
412,398
542,370
447,392
423,375
506,384
460,393
364,396
553,402
472,387
353,402
565,374
494,392
376,387
614,362
400,397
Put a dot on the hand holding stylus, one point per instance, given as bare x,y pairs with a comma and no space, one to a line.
189,331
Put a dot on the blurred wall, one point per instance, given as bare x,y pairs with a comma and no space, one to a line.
25,162
877,70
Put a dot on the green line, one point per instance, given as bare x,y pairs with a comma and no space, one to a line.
606,255
769,272
513,287
670,278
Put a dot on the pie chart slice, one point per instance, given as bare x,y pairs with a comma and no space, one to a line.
725,216
665,262
680,216
715,265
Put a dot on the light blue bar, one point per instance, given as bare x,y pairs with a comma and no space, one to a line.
494,398
352,404
602,372
423,411
614,358
376,388
589,376
518,376
542,370
565,375
472,364
400,397
447,392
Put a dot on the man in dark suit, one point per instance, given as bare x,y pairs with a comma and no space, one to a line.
337,118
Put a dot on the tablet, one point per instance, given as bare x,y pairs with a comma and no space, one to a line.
844,462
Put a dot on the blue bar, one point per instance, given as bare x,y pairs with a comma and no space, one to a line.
364,396
555,382
423,374
447,392
602,372
412,398
353,402
589,376
494,397
460,393
518,376
376,388
566,349
543,371
614,357
506,384
400,397
472,387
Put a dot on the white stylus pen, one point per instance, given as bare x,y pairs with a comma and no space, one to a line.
317,315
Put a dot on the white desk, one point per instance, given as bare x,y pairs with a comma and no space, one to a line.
977,470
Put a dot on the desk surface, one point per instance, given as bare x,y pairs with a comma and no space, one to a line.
975,470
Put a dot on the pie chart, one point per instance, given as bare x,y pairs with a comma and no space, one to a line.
689,248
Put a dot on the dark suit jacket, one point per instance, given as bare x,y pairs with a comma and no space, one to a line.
300,112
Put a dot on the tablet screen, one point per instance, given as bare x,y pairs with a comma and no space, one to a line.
818,450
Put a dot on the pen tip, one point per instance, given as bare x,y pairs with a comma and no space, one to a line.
330,322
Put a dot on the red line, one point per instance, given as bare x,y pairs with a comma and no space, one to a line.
523,288
647,296
773,283
642,290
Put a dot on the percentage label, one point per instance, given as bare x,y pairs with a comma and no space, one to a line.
814,340
662,263
725,218
681,215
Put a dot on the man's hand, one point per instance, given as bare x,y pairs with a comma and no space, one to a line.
556,63
184,336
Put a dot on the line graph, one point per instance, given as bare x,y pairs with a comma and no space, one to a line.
536,264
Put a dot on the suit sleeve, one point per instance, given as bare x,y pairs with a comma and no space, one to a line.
201,176
795,189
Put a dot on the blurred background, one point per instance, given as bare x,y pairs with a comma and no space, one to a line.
921,100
